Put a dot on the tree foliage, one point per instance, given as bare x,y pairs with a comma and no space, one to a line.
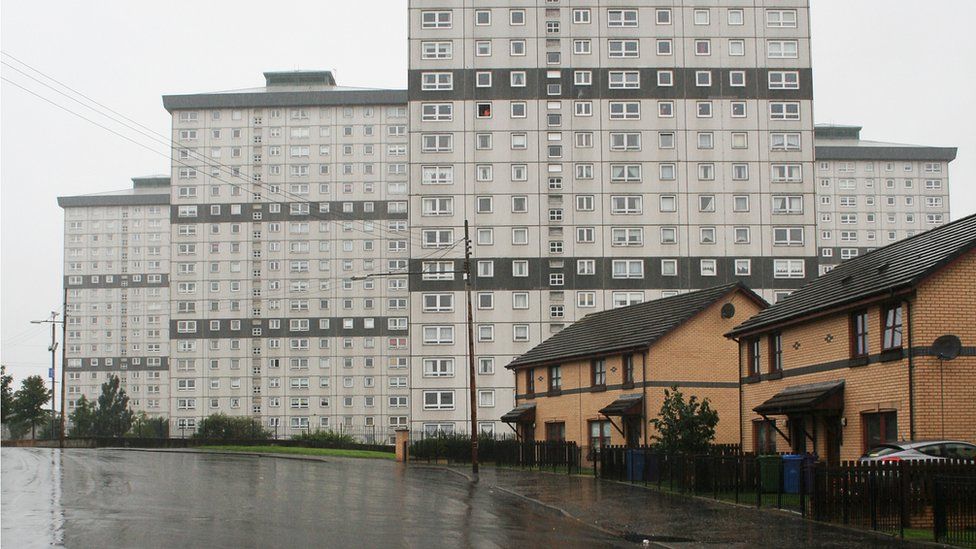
7,397
224,427
684,427
113,418
28,402
109,416
82,418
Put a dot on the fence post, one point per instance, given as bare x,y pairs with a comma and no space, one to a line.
939,526
872,504
902,497
803,488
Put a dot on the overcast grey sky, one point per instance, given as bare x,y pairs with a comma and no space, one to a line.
906,74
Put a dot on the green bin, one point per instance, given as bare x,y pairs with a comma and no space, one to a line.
769,467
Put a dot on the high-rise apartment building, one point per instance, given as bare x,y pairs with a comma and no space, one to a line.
283,198
604,154
871,193
117,291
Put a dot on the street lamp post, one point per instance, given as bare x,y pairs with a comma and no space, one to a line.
53,348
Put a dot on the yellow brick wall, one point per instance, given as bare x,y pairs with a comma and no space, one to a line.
696,351
945,303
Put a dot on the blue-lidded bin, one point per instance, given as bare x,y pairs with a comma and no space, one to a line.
635,465
792,473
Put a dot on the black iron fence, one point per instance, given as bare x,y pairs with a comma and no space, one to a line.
931,498
510,452
722,474
954,511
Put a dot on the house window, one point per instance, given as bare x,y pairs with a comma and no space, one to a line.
891,335
556,431
598,372
628,369
859,334
775,353
599,435
530,381
555,378
879,428
754,356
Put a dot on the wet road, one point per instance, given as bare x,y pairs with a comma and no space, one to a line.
113,498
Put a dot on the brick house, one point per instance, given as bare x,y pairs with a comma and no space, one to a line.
850,360
599,380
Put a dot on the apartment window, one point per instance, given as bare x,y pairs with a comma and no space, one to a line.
737,79
482,17
623,48
703,47
708,267
662,16
737,47
582,47
516,48
624,79
581,16
743,267
598,373
782,49
791,204
704,109
892,327
781,18
628,268
788,236
701,17
516,17
625,110
784,111
665,46
438,335
784,80
438,400
482,48
436,81
438,367
520,332
437,112
779,141
788,268
621,18
436,50
435,19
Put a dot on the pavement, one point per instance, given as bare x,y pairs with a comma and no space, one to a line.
674,520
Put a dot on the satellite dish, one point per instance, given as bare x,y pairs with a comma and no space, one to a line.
947,347
728,310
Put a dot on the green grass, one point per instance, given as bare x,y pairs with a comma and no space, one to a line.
296,450
919,534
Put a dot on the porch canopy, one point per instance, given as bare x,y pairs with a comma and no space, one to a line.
827,396
626,405
523,413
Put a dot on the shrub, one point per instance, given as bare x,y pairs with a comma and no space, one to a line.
326,439
223,427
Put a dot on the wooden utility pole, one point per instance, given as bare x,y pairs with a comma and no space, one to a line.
472,373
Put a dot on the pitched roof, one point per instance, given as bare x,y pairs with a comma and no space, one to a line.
894,267
635,326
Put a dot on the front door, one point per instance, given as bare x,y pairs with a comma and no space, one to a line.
632,430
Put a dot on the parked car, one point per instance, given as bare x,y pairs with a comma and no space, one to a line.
921,450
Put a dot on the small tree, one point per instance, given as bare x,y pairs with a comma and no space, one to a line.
82,419
112,417
684,427
28,402
7,400
149,427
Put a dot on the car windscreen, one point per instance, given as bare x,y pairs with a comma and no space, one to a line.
884,450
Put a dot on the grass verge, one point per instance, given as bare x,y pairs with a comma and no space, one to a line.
295,450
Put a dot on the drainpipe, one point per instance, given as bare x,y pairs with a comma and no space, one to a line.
911,374
644,392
